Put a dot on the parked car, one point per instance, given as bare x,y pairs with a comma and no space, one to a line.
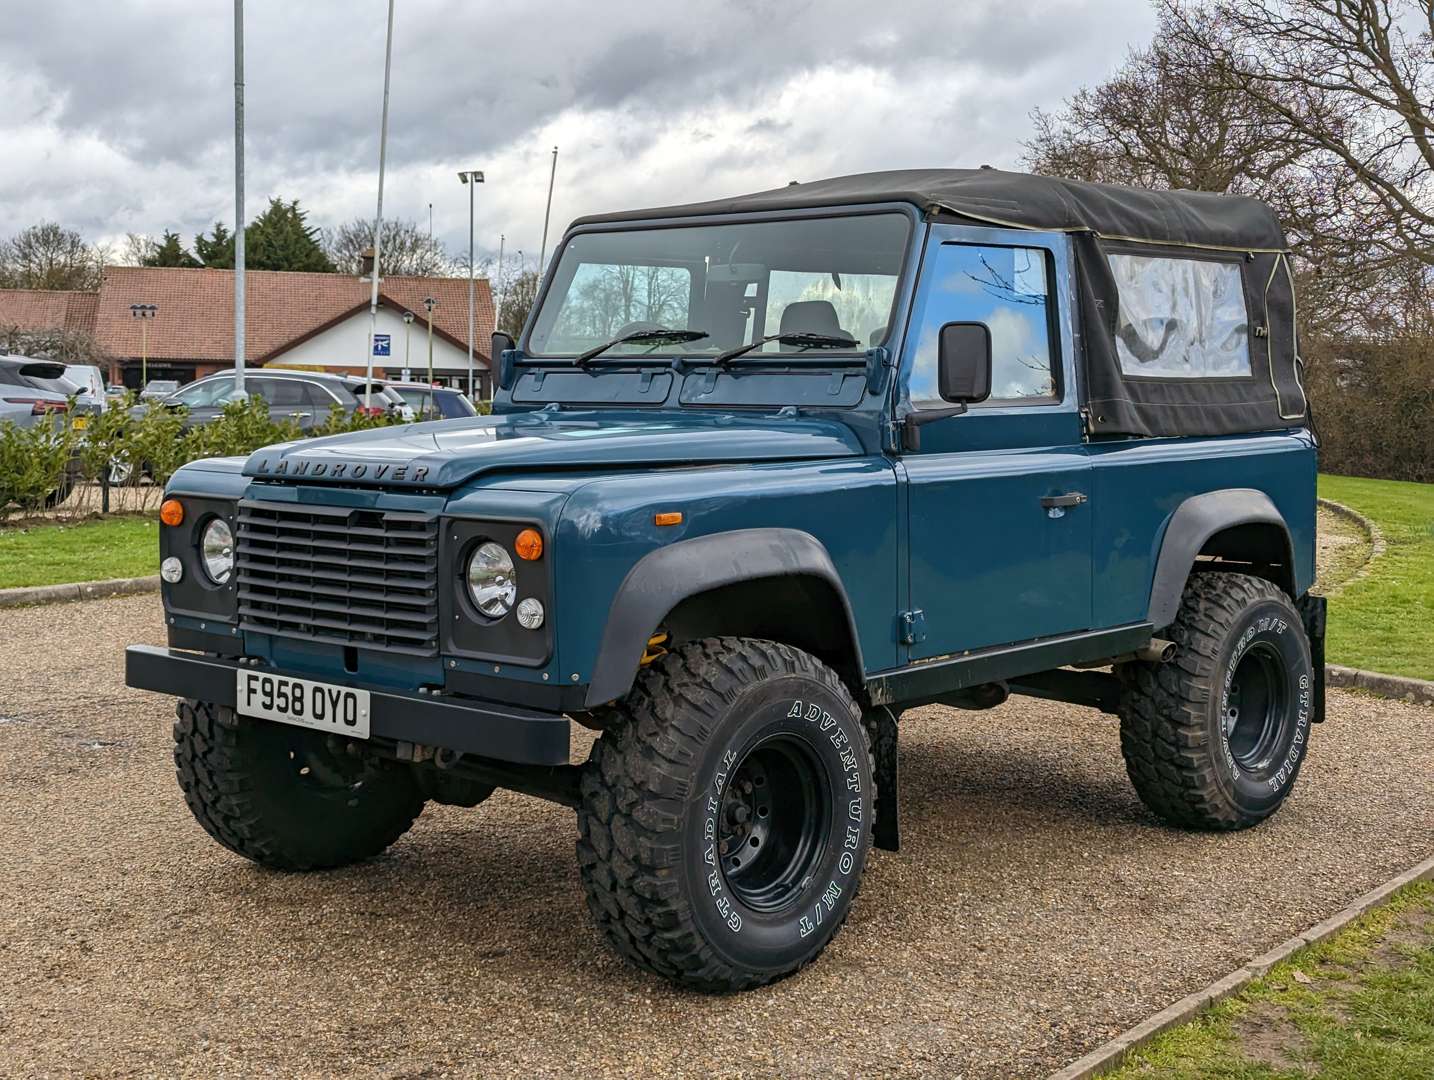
849,447
302,396
156,389
32,389
90,381
434,402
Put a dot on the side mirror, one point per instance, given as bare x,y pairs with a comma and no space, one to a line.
502,359
963,370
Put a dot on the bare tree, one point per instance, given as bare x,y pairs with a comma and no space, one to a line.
1352,79
518,295
48,256
407,249
1172,117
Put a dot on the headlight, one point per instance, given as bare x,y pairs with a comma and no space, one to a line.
491,581
216,545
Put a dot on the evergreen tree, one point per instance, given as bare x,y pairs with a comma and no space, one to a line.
217,249
278,239
169,252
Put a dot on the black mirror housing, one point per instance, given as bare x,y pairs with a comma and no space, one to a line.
964,362
500,357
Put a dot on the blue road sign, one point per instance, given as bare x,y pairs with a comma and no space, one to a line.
382,344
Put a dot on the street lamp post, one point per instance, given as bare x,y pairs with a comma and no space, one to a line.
143,312
407,323
430,303
473,177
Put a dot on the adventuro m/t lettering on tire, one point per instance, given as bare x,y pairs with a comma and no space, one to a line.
727,814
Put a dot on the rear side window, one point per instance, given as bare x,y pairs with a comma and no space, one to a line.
1180,318
453,405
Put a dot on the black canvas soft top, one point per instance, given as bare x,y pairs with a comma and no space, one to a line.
1020,200
1121,395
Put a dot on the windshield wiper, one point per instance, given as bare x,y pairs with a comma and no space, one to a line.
804,339
657,336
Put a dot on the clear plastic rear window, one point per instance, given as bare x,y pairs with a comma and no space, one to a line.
1180,318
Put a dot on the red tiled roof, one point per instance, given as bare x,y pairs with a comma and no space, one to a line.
195,320
49,309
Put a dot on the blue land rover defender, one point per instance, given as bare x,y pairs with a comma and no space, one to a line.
762,474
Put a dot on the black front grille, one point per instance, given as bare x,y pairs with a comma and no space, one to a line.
357,577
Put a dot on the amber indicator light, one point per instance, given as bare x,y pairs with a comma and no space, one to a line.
668,517
171,511
529,544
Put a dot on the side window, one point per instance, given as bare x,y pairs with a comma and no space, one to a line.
287,393
1180,318
209,392
449,406
1007,289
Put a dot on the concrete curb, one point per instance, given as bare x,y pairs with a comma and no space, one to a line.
83,590
1366,526
1114,1052
1398,687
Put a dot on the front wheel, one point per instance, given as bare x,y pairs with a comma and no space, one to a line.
286,797
726,814
1215,738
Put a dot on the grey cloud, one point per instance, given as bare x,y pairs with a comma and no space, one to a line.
150,83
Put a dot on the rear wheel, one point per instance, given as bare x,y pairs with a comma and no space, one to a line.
726,814
1215,738
286,797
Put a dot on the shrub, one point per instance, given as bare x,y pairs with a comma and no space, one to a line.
35,463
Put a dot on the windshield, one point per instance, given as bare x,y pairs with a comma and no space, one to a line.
736,282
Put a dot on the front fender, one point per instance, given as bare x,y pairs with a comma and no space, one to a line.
662,579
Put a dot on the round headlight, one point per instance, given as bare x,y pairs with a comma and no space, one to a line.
491,581
216,545
171,570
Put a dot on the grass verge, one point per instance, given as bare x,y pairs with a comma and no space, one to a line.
51,554
1382,621
1359,1006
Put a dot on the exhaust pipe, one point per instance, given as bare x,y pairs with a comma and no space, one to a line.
1159,651
1156,651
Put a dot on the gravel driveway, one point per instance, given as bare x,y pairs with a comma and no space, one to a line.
1035,910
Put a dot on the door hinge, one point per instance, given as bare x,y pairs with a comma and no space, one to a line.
911,627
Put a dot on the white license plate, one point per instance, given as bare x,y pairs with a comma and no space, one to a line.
303,702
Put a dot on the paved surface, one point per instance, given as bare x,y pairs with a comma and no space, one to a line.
1035,911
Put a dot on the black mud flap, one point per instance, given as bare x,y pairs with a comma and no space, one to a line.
1312,611
886,831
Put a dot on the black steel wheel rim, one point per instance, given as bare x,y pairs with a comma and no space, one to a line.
1256,706
773,823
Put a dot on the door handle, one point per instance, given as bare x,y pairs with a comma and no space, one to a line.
1070,498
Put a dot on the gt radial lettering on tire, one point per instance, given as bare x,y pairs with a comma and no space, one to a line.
726,814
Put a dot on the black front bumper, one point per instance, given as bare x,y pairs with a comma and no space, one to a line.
500,732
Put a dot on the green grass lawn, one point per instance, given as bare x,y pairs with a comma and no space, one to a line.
1385,620
1359,1007
117,547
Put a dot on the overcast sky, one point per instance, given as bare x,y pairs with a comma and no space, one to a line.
118,117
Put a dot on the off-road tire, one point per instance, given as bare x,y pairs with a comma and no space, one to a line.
1185,762
670,768
314,810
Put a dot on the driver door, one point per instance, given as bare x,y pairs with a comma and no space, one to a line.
999,518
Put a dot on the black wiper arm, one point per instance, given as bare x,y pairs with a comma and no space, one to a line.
657,336
802,338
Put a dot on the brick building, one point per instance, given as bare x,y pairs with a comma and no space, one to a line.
297,320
